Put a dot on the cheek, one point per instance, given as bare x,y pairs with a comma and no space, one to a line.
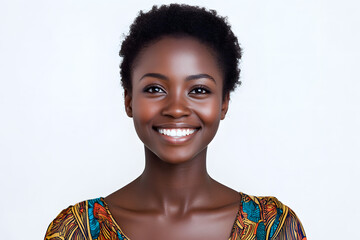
143,113
210,113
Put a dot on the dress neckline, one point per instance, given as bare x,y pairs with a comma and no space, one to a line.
127,238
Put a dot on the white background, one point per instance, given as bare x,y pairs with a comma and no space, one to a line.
292,130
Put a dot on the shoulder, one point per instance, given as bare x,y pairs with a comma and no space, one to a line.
268,217
73,222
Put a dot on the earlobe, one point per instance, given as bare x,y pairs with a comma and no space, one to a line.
225,105
128,103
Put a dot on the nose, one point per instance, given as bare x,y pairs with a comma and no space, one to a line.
176,106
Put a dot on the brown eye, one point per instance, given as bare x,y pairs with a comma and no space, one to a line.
154,89
199,90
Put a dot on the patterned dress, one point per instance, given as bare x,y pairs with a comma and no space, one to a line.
258,218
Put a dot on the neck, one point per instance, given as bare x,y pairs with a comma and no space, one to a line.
175,187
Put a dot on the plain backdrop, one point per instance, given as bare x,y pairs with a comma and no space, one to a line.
292,130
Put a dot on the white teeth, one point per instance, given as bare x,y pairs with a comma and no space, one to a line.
179,132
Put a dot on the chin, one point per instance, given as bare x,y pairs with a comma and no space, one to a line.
180,156
175,160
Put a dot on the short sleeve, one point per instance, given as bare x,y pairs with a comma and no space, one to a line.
292,228
64,227
279,220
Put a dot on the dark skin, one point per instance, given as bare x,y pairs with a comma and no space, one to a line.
176,85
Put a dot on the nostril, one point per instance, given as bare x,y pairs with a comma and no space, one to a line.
176,113
176,110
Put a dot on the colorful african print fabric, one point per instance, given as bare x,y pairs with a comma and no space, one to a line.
258,218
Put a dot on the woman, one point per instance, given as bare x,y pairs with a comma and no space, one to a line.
180,64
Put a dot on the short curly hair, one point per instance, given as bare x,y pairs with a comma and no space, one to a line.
180,19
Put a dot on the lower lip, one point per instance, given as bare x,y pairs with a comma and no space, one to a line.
178,140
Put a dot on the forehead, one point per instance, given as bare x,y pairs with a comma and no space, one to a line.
177,56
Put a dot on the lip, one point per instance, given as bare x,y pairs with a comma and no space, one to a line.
175,125
176,140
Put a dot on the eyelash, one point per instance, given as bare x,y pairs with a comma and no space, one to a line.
150,89
203,89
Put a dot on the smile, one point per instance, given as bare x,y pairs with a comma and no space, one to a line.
176,132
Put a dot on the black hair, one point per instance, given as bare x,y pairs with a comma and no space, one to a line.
180,19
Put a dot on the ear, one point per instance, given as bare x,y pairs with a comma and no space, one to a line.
128,103
225,105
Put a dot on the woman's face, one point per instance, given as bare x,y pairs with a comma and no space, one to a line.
176,100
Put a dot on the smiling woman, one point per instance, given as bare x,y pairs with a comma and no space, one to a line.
176,87
180,64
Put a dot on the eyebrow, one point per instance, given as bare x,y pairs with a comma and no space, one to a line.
188,78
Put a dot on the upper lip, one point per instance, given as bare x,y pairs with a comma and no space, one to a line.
175,125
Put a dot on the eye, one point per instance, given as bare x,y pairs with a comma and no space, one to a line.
199,90
154,89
